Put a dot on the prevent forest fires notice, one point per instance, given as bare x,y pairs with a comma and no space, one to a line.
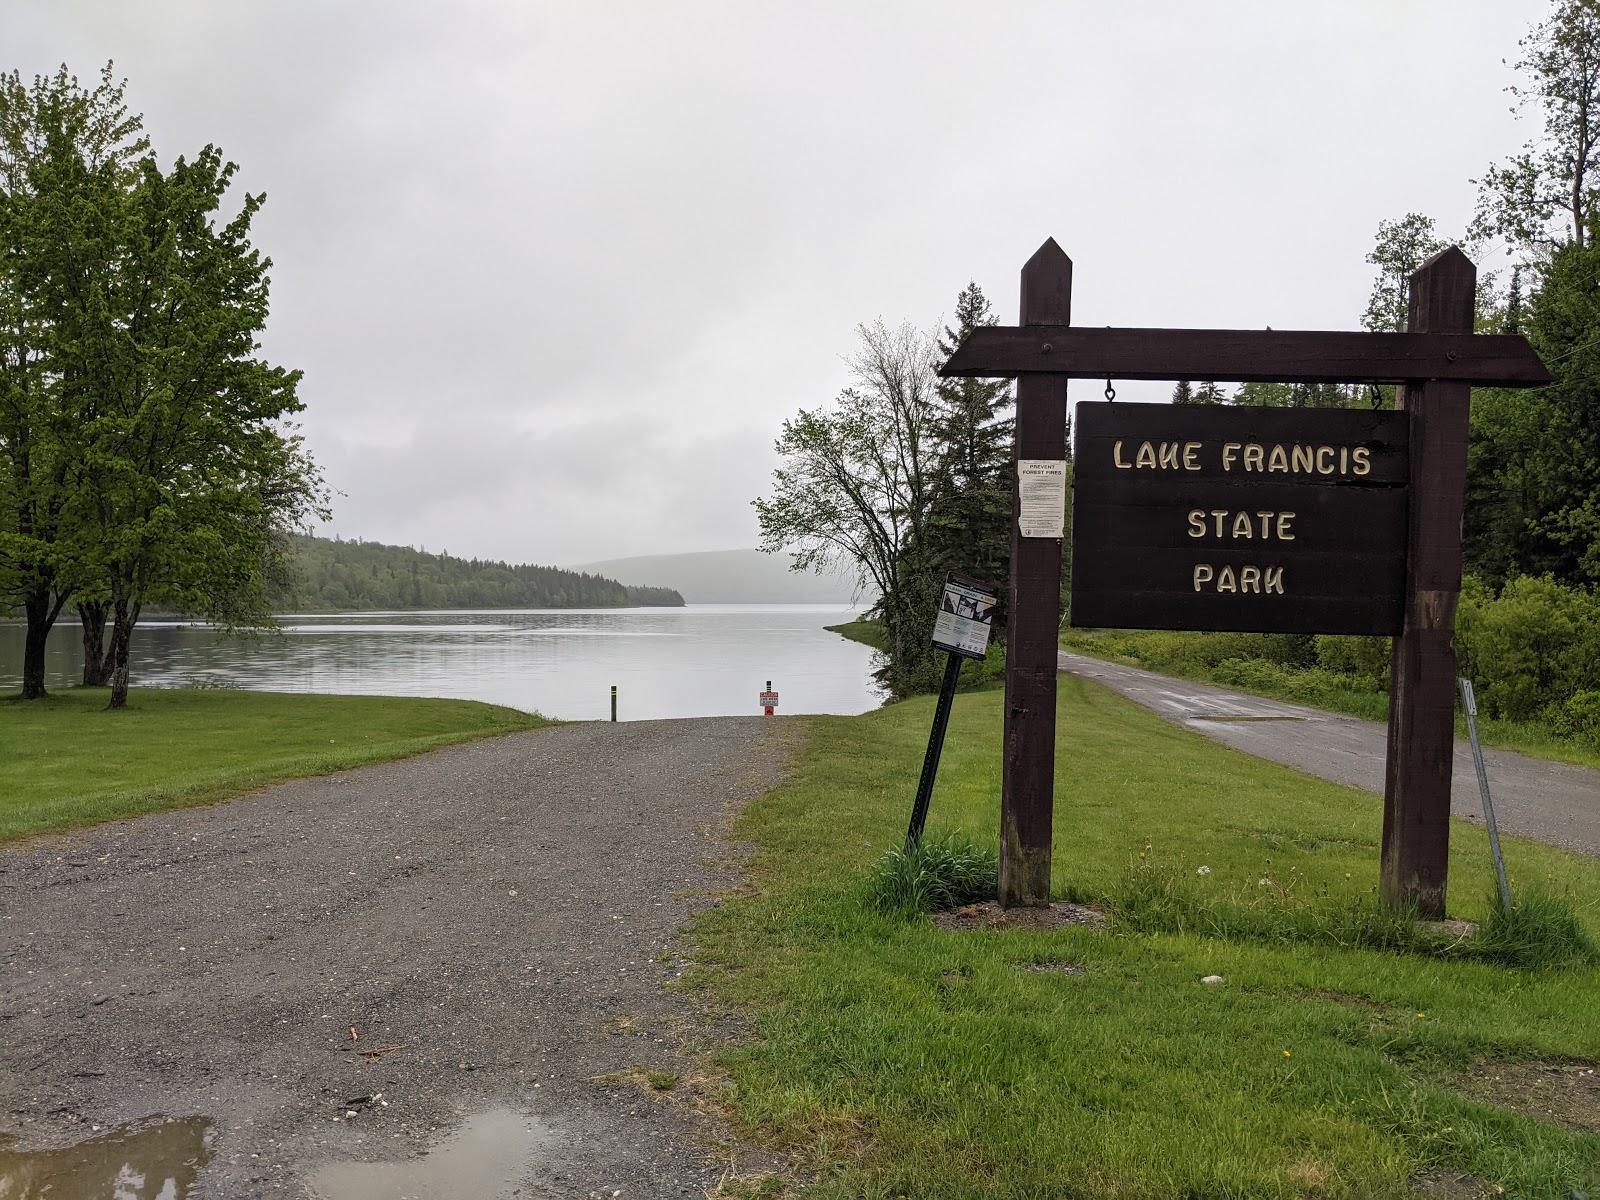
1249,519
1041,497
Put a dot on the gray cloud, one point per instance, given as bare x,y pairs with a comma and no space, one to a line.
555,272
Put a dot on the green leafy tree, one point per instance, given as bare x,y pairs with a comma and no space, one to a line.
68,155
1399,249
1545,196
196,478
855,486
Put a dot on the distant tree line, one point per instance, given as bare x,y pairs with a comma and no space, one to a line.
332,575
145,454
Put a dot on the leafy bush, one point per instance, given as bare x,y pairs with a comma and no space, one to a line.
937,873
1535,644
1579,717
1364,658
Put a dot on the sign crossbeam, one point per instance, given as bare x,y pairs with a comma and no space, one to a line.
1248,356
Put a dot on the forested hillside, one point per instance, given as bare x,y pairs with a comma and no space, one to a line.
338,575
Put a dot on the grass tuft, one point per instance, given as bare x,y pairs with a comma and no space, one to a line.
938,873
1541,932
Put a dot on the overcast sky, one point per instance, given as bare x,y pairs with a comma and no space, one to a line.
556,272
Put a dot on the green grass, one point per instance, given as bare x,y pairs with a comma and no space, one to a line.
988,671
896,1059
1163,652
66,761
868,633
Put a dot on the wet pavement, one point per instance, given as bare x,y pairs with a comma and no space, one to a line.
147,1160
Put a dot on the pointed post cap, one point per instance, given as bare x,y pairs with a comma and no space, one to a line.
1047,286
1444,292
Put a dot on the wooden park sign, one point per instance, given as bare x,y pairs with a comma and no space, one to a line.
1314,521
1278,520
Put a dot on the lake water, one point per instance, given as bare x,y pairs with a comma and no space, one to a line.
700,661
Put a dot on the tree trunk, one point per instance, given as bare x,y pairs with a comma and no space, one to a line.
33,648
124,616
96,663
42,615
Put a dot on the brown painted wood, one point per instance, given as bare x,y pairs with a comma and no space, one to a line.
1250,355
1027,796
1135,549
1416,801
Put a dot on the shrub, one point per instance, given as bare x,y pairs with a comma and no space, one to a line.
1365,658
1535,644
1579,716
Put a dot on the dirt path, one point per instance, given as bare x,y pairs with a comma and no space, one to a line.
496,913
1550,801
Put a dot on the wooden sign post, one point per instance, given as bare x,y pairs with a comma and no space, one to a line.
1422,682
1027,787
1247,519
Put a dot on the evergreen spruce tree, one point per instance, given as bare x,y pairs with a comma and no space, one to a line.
1183,393
970,522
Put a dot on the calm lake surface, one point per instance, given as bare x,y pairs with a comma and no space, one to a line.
700,661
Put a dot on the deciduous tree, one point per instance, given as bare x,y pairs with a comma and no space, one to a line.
67,159
855,483
1546,195
195,477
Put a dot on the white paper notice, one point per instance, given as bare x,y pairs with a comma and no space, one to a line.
1042,489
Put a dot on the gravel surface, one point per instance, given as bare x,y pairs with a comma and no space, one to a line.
1551,801
494,921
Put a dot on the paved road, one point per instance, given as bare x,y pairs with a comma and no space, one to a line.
1550,801
488,919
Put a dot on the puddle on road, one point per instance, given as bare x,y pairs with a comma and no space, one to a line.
483,1160
142,1161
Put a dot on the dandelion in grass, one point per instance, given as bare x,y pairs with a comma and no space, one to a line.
1202,870
1286,1054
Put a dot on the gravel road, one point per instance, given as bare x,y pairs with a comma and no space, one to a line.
1550,801
347,968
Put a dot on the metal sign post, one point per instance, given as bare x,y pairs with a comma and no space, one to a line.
1469,704
966,617
769,700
